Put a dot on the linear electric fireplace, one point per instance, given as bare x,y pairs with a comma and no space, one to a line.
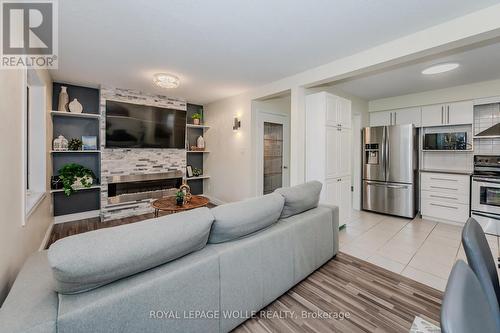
130,188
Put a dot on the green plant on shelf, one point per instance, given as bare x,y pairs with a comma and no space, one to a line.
75,144
75,176
197,172
196,116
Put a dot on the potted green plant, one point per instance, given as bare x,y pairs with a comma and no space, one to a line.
75,176
197,172
75,144
196,118
179,198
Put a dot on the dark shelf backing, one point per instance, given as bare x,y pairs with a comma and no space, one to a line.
88,97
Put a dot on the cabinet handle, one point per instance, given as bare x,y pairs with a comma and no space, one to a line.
444,188
448,114
443,197
395,121
445,206
446,179
442,113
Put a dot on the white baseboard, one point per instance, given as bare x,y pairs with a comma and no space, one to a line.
46,237
76,216
214,200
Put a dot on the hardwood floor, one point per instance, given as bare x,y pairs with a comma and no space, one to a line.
376,299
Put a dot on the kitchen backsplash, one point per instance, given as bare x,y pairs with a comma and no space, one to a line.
486,116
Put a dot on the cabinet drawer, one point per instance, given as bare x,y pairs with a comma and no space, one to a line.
445,183
454,212
445,197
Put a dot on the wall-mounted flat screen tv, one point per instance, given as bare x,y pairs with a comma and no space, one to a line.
142,126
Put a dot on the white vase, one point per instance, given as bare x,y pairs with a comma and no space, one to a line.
75,106
200,142
63,100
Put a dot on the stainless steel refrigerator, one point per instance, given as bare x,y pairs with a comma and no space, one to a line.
390,170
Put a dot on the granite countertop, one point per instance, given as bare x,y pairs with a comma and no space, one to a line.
457,172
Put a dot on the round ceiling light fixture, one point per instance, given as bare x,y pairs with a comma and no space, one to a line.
165,80
440,68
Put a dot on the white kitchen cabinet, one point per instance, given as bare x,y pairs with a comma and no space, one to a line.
408,116
459,113
380,118
338,111
396,117
328,148
338,193
445,197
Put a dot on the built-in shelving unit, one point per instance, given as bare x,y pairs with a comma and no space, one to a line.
198,177
73,151
195,158
76,115
93,187
75,125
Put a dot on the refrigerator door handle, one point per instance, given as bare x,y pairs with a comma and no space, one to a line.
388,186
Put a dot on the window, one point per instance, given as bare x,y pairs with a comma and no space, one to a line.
34,135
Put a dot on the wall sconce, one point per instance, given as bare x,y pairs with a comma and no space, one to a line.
237,124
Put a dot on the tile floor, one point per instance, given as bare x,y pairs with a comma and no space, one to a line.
422,250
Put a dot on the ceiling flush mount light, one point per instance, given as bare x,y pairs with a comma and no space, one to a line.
168,81
441,68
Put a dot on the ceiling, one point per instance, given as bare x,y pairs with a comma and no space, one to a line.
221,48
478,64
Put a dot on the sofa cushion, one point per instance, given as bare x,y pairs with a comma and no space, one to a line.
86,261
300,198
238,219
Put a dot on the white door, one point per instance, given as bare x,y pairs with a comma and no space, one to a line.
356,161
333,137
408,116
344,112
381,118
459,113
273,152
345,206
344,148
433,115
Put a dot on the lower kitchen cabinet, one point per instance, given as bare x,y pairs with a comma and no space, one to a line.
338,193
445,197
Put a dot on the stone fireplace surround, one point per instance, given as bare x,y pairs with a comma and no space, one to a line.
126,162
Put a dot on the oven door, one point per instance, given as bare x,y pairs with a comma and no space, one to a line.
485,195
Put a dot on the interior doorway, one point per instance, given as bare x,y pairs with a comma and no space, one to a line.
273,152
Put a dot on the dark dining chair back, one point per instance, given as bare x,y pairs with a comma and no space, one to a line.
465,308
481,261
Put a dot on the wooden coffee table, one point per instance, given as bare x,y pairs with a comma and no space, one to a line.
169,204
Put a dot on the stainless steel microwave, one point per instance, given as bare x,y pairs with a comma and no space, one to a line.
445,141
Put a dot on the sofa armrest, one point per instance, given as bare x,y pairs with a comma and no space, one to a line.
31,306
335,224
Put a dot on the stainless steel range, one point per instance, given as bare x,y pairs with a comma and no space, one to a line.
485,194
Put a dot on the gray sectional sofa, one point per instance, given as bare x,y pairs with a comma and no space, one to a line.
198,271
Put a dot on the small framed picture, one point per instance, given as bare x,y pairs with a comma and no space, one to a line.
189,171
89,142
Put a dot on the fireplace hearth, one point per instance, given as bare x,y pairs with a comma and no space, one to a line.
130,188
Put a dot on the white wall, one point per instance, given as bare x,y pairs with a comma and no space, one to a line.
230,163
17,242
458,93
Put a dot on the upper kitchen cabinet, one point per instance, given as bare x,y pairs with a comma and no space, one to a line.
396,117
338,111
459,113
